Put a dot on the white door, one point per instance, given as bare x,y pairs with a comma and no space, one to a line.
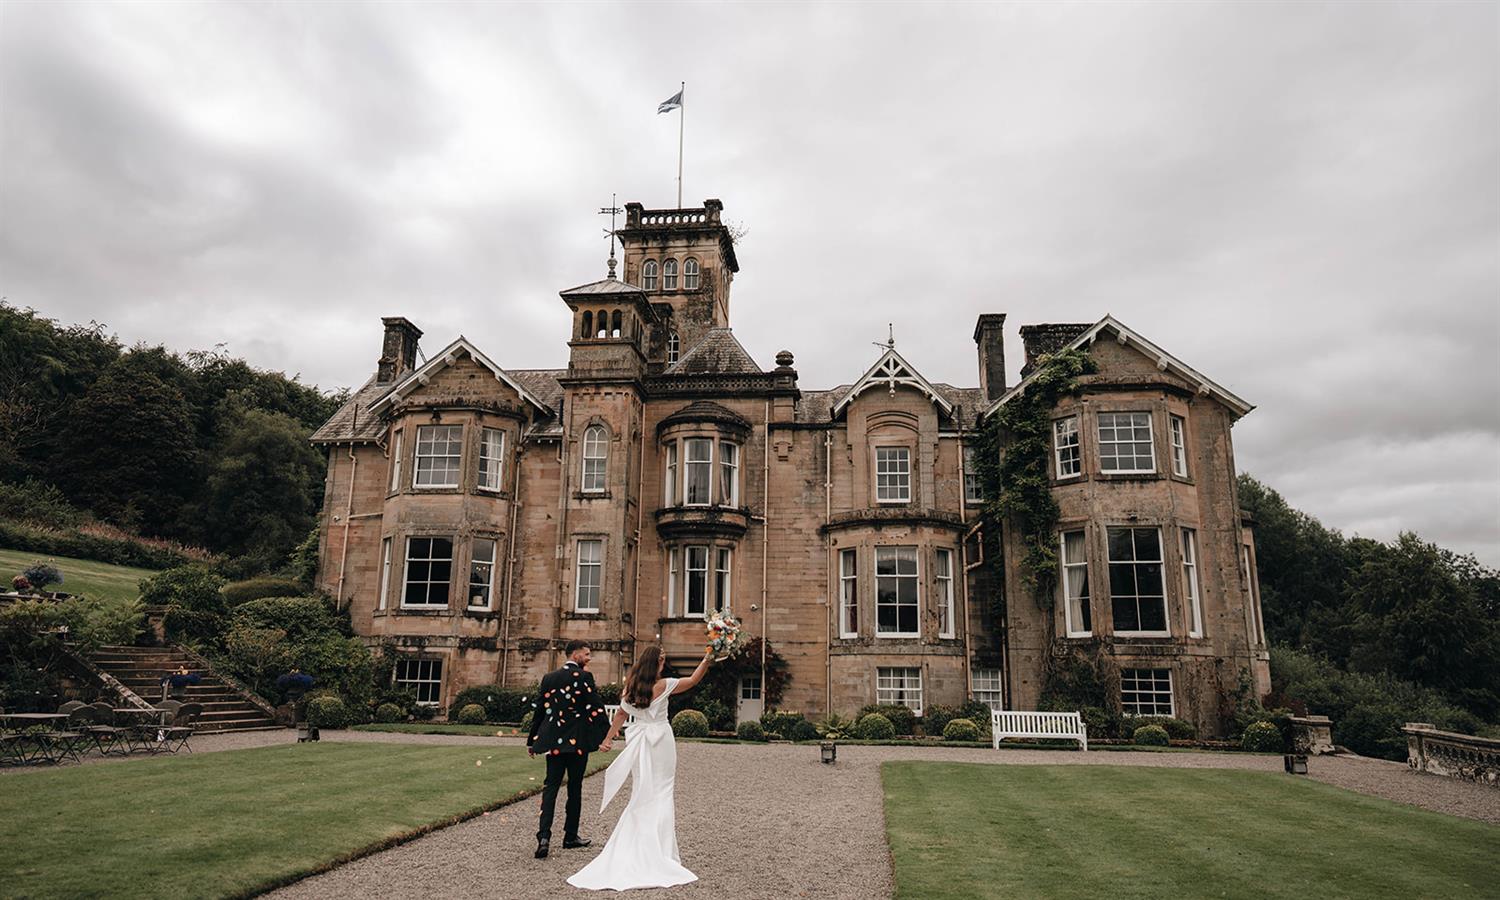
751,705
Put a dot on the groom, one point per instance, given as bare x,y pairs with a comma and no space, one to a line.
567,724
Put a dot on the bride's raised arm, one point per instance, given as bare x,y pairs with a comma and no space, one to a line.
692,680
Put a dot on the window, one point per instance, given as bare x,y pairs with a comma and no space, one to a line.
690,274
901,686
595,455
669,275
973,490
1190,582
987,688
699,471
385,573
697,581
1179,445
1135,582
1146,692
672,555
945,593
1125,442
896,591
481,573
648,275
1075,585
429,567
491,459
439,448
669,492
1065,447
423,677
1257,629
749,687
674,348
729,474
892,475
848,595
721,580
396,461
590,575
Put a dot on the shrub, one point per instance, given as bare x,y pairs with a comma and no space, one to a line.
960,730
874,727
720,717
750,730
389,712
41,574
610,693
901,717
1101,723
690,723
835,727
40,504
191,595
1176,729
526,721
272,635
802,730
500,704
780,721
327,712
1262,737
979,714
1151,736
935,718
96,543
238,592
424,712
471,714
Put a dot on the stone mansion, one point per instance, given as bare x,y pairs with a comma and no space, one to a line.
478,517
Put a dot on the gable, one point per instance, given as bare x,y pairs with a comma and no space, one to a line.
439,376
890,372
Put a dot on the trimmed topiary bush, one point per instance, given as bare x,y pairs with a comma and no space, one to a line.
902,718
1176,729
389,712
802,730
327,712
690,723
1151,736
238,592
979,714
1261,737
874,727
960,730
750,730
471,714
935,718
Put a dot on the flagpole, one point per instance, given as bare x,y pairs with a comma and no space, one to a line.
681,117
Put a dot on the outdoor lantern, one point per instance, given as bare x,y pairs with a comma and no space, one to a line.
1296,764
830,752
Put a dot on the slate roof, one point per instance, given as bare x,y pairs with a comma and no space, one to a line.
816,407
354,421
716,353
602,286
706,411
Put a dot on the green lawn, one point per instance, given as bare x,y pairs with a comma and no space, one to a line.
972,830
80,576
441,728
237,822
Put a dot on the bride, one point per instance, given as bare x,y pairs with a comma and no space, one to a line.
642,850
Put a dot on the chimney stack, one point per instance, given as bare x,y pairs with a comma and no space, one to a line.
1040,340
398,351
989,334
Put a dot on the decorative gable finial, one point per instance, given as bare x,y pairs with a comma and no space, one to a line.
890,346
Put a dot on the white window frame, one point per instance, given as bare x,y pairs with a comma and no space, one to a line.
448,442
1076,587
987,682
892,474
723,577
674,347
973,490
429,672
592,476
688,464
395,461
648,275
385,573
673,555
1150,441
1159,562
943,561
688,572
670,485
1139,686
750,686
492,451
848,594
474,560
729,471
669,275
894,686
406,581
1188,540
1177,427
1067,448
596,563
690,273
915,577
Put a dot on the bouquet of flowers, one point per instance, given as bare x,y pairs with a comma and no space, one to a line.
724,636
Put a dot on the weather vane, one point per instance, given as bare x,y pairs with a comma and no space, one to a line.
611,210
890,342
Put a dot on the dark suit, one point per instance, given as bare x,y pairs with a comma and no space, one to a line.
567,724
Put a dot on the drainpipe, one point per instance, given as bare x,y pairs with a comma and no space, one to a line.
640,518
765,550
829,581
963,563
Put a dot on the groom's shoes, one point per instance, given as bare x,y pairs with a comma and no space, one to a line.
570,843
542,845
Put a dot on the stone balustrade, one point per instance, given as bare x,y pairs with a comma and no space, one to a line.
1453,755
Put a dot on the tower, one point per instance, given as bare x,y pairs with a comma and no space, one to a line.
684,262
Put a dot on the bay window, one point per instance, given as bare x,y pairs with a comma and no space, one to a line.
491,459
429,569
439,450
698,479
1075,585
1125,443
944,574
729,474
896,605
482,574
1135,581
848,595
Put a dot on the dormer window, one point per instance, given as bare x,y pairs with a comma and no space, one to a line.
674,348
690,274
648,275
892,475
669,275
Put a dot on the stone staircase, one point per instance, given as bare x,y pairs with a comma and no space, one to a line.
225,707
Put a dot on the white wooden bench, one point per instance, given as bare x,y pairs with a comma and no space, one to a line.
1038,725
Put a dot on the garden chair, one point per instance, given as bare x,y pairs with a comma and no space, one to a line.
11,752
67,741
175,736
150,735
67,708
105,735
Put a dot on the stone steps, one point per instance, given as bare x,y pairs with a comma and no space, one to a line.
140,669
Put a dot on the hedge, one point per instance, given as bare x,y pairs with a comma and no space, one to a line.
500,704
75,544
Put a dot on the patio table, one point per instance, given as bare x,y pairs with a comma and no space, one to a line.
39,750
143,734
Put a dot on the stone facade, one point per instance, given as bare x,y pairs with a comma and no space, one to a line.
477,518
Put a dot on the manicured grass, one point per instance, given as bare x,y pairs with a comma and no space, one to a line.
441,728
80,576
237,822
972,830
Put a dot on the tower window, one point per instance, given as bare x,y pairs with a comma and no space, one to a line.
669,275
648,275
674,348
587,331
690,274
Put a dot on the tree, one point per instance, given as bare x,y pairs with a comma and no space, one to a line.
264,486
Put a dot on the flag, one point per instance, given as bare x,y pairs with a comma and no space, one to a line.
671,103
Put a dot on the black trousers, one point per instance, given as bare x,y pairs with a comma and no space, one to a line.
572,765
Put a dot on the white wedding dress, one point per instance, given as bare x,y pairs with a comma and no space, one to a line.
642,851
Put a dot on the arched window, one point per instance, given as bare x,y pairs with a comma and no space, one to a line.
669,275
674,348
614,329
595,455
648,275
690,274
588,325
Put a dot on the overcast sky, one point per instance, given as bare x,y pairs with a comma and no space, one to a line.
1301,200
